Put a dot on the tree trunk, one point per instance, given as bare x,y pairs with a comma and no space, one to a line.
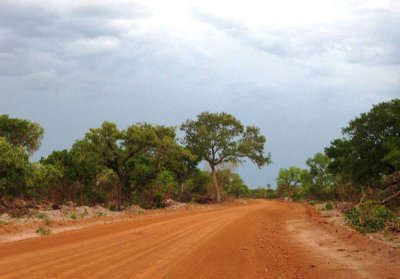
215,183
119,190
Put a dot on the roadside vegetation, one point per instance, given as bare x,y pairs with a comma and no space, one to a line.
143,164
358,173
147,165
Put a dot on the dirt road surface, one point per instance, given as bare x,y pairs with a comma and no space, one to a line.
256,240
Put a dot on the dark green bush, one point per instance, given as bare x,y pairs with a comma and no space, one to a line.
369,218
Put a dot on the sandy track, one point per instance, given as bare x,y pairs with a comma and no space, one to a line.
258,240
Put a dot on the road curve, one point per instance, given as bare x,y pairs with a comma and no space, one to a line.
256,240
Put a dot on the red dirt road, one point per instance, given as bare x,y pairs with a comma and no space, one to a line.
257,240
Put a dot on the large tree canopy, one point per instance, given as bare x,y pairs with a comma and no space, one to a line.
21,133
220,138
135,155
370,148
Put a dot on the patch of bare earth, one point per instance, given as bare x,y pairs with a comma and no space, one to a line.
327,238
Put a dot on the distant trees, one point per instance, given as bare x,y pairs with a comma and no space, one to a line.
262,193
362,165
146,163
220,138
289,179
142,164
320,182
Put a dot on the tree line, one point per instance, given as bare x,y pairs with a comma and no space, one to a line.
363,164
362,167
142,164
146,164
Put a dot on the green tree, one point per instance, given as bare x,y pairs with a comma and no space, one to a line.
198,181
321,184
136,155
14,169
368,153
21,133
237,187
46,181
220,138
289,179
79,170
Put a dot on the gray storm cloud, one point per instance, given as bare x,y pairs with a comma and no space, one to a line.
70,65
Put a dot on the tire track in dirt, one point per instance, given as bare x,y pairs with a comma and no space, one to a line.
90,247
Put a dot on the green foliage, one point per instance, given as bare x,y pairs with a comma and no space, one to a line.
136,155
21,133
44,179
313,202
195,187
163,187
320,182
220,138
329,205
198,182
370,146
41,215
74,215
44,217
84,213
43,231
101,214
369,218
261,193
14,169
232,183
290,179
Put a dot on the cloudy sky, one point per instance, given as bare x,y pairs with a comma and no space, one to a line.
300,70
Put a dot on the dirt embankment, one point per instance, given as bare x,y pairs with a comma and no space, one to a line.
255,240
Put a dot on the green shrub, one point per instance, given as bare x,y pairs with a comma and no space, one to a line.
101,214
44,217
369,218
41,215
43,231
312,202
84,213
73,215
46,221
329,205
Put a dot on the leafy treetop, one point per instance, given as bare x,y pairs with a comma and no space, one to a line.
21,133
